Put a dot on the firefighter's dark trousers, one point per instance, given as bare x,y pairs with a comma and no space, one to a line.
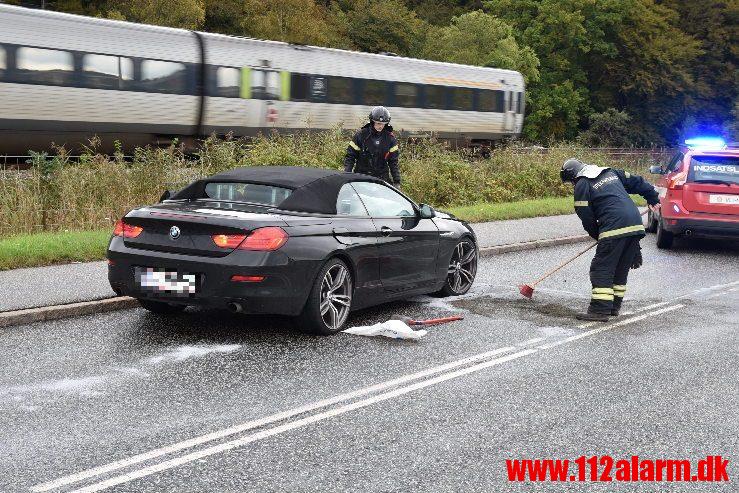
609,271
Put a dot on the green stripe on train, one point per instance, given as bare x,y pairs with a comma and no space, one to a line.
285,86
245,90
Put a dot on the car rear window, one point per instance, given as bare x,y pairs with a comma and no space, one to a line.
714,169
247,192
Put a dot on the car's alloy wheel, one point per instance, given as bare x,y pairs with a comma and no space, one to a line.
336,296
330,299
462,269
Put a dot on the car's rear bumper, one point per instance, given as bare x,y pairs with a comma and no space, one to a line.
283,291
704,225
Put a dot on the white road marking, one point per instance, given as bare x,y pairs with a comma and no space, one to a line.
176,447
224,447
610,326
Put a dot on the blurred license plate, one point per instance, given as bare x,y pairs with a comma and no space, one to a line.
171,282
723,199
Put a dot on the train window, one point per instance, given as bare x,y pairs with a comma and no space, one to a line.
299,87
340,90
519,102
42,66
167,77
227,82
265,84
106,72
462,98
491,101
374,92
406,95
435,97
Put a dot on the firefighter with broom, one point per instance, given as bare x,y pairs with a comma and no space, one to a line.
609,215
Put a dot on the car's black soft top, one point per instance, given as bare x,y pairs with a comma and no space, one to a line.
314,189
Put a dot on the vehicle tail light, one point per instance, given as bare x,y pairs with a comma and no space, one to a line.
239,278
677,181
265,239
126,230
228,241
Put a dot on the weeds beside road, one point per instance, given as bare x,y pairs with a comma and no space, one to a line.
57,194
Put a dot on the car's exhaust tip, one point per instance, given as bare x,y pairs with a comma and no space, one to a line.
234,307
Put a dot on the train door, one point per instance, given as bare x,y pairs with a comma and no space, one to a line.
265,87
509,121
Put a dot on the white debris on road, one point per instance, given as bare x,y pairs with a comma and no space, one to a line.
395,329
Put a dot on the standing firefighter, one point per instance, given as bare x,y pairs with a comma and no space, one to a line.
609,215
374,149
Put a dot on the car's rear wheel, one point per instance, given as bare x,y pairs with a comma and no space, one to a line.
160,306
664,237
651,223
330,300
462,269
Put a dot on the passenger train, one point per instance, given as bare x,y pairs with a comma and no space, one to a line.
65,78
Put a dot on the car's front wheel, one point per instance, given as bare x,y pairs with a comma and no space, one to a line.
160,307
330,299
462,269
664,237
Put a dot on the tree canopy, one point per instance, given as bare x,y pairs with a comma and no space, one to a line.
636,72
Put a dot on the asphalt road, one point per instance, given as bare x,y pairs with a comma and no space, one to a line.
128,401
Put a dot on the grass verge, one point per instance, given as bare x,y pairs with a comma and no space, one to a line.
550,206
33,250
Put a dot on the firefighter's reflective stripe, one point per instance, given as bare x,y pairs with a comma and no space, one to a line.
581,203
353,145
605,294
393,148
619,290
620,231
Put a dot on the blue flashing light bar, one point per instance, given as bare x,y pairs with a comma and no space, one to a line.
706,143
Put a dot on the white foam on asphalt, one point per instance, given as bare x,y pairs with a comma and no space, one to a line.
186,352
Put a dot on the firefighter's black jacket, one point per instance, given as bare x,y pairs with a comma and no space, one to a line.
605,208
374,153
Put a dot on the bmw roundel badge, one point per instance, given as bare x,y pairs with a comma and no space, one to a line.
174,232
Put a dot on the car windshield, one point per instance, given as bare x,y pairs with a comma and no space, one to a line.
247,192
714,169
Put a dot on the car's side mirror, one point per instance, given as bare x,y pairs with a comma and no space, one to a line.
166,195
426,211
656,170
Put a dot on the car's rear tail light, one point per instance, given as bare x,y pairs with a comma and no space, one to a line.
110,262
228,241
126,230
265,239
239,278
677,181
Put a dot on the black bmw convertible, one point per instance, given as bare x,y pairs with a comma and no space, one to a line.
305,242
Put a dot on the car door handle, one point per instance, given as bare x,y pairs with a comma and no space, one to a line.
386,231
